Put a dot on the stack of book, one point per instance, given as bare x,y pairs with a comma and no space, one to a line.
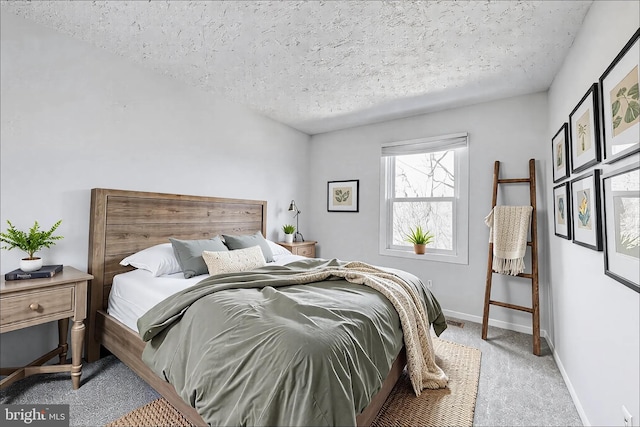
44,272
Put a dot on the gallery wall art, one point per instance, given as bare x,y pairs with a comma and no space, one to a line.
584,131
562,211
620,103
621,200
585,210
560,149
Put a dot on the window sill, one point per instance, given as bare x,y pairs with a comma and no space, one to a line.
435,257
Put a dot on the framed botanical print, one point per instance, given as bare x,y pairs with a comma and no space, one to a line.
559,150
584,132
342,196
620,103
562,211
585,210
621,199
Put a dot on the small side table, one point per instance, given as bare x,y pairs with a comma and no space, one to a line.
307,248
30,302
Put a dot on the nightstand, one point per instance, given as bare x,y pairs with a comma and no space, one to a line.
307,248
25,303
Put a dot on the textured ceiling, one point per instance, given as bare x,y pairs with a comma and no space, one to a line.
325,65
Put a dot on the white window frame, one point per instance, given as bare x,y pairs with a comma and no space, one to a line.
457,142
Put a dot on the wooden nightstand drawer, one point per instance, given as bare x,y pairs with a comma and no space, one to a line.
37,306
308,251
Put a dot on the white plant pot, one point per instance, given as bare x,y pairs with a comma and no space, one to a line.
28,265
288,238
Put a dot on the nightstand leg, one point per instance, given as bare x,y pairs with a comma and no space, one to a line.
77,342
63,330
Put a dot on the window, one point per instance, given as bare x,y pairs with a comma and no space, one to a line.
425,182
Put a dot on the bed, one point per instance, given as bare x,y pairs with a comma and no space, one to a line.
125,222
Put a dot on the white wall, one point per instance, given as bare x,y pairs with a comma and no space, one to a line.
511,130
595,318
74,117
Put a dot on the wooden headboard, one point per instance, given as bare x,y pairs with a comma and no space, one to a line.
124,222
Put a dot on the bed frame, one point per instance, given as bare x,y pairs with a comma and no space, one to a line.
123,222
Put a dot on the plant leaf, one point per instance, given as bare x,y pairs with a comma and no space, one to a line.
633,92
617,121
615,107
633,111
32,242
621,92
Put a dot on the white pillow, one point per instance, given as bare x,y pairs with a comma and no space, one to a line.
277,249
233,261
159,260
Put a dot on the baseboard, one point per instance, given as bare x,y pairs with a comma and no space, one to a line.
529,330
492,322
567,381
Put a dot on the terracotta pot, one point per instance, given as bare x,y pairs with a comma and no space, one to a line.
419,249
30,264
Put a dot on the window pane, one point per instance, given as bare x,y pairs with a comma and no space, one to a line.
437,217
425,175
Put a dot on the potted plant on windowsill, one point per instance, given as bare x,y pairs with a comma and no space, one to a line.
288,232
420,239
30,242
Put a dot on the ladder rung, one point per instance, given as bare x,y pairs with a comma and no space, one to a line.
512,306
513,180
525,275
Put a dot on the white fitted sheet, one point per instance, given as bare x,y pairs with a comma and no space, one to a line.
135,292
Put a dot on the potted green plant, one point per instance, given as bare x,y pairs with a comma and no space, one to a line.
288,232
30,242
420,239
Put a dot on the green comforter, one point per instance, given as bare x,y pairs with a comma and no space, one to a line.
252,349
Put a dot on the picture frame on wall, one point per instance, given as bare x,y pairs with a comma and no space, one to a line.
559,151
343,196
584,132
562,211
621,200
620,104
585,210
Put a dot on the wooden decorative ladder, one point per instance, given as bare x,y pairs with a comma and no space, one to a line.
533,244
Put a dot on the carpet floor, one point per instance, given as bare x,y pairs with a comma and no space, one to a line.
452,406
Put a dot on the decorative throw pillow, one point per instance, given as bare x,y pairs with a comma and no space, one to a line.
233,261
242,242
158,260
189,254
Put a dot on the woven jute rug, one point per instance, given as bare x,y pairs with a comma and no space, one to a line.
452,406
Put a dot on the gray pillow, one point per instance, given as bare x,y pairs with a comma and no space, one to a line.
243,242
189,254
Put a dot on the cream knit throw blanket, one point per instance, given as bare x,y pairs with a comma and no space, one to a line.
421,364
509,228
